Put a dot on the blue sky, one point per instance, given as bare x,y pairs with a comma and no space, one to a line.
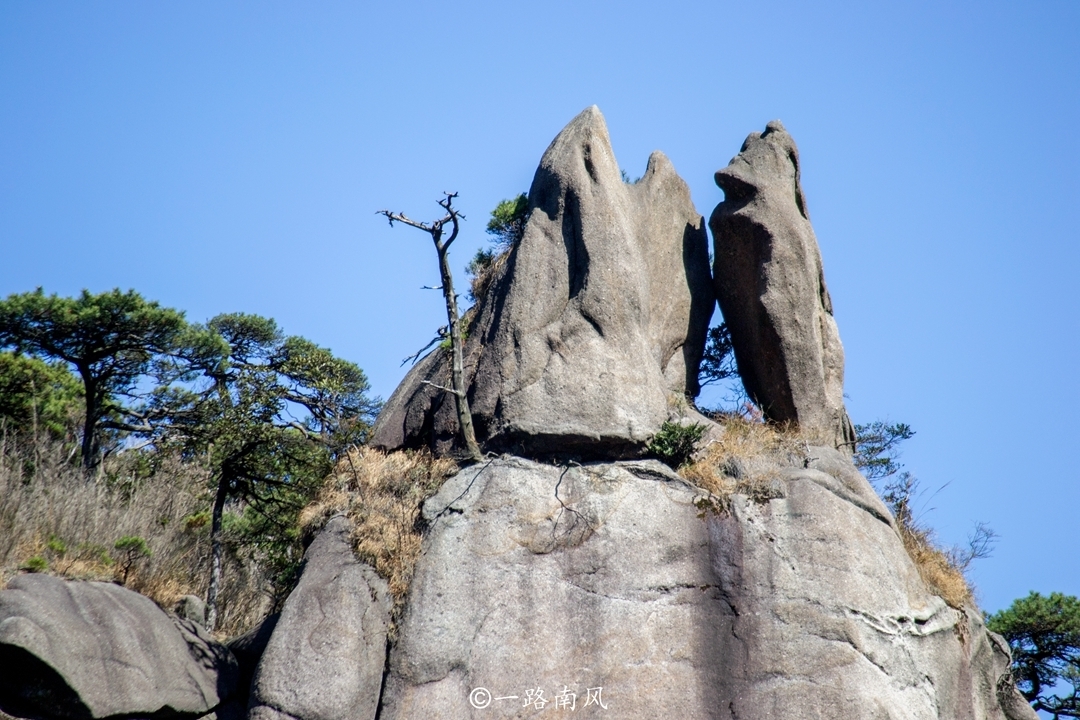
223,157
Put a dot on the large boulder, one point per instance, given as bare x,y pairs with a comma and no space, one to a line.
771,287
595,325
538,576
615,581
327,652
80,650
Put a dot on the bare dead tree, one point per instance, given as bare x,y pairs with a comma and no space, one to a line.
436,230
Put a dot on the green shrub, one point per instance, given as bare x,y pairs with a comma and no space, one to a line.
35,564
56,545
674,444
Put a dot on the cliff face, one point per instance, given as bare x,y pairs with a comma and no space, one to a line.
584,580
566,578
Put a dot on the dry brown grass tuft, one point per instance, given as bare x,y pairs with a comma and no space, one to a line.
743,460
942,569
381,493
936,568
54,519
481,282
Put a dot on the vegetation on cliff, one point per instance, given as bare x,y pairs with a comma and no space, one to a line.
228,427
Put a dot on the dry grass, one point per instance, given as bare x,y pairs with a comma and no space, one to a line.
942,569
743,460
481,282
54,519
381,494
936,567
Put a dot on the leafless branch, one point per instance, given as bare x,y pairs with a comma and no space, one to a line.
439,387
393,217
443,333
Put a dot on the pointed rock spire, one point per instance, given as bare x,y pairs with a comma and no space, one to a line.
596,323
770,284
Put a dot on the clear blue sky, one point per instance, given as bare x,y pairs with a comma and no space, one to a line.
231,157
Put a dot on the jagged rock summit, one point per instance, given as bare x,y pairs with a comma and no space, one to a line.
594,327
770,285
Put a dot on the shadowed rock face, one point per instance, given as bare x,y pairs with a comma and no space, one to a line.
95,650
596,323
771,288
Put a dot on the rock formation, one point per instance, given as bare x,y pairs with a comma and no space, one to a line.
606,588
544,576
595,325
829,617
95,650
771,287
573,578
326,655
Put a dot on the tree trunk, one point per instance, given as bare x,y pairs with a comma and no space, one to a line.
215,553
91,447
457,372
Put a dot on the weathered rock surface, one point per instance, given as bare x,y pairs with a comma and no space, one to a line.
594,325
604,575
326,655
541,576
830,619
771,287
97,650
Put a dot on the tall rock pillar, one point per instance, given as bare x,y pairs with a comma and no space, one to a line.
769,281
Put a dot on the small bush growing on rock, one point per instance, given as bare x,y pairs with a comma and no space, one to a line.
675,443
381,494
506,226
35,564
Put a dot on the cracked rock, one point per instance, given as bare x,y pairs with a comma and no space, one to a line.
550,576
830,618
